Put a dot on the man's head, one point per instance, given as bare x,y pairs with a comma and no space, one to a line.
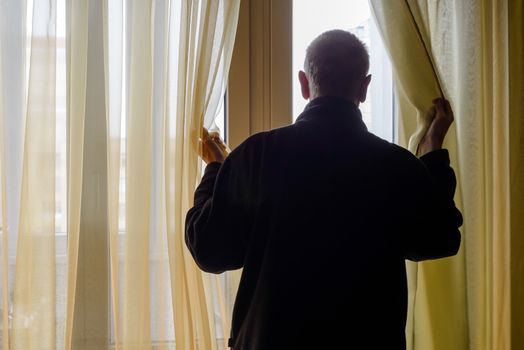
336,64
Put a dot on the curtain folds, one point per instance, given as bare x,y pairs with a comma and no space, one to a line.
35,272
201,74
413,62
436,288
4,249
516,145
470,301
101,107
76,76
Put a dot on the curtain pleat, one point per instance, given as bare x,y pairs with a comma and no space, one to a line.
77,38
195,94
516,145
114,67
34,286
13,81
4,247
161,279
492,303
136,293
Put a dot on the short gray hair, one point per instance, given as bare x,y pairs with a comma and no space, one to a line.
335,61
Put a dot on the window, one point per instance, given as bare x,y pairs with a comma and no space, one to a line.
313,17
267,67
270,45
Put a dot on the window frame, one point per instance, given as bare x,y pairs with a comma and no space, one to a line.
260,88
260,94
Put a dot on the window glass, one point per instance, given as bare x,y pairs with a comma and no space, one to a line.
313,17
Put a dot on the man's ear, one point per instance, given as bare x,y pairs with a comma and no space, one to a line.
363,91
304,85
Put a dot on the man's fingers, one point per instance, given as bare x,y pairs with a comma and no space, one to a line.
215,137
204,151
212,147
449,111
205,134
440,107
443,108
221,143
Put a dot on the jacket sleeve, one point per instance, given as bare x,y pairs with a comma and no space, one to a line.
434,230
218,225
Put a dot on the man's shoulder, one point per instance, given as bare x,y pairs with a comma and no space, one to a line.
250,147
255,140
260,139
391,149
396,156
401,153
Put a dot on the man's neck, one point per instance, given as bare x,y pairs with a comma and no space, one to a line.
353,100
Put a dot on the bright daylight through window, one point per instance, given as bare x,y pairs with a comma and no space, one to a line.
313,17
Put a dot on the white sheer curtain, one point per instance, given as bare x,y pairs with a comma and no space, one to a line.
102,104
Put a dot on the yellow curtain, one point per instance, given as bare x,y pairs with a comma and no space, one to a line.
465,50
516,146
101,107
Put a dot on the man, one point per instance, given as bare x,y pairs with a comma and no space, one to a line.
322,214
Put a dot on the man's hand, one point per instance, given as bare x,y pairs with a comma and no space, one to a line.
441,117
213,148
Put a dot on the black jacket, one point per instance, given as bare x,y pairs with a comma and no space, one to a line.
321,215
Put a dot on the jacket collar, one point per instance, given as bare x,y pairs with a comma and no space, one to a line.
335,110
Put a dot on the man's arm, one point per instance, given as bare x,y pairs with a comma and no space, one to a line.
434,232
218,225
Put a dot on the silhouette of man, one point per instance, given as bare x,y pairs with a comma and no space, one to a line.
322,214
